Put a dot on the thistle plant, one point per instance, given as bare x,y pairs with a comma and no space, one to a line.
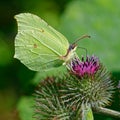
73,96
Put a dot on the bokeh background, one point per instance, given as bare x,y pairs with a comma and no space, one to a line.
73,18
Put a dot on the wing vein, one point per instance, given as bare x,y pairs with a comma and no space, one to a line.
53,50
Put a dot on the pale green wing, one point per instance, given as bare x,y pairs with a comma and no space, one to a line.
38,45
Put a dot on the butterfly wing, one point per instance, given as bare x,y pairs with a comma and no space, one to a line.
38,45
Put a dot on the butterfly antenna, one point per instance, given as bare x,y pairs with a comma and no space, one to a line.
73,45
82,37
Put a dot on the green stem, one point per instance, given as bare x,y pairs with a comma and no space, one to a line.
107,111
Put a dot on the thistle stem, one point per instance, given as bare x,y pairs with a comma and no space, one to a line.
107,111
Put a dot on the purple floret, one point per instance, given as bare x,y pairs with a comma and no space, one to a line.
88,66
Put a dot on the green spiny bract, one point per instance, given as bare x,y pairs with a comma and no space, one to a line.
48,104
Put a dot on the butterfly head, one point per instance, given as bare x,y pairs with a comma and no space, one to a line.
70,53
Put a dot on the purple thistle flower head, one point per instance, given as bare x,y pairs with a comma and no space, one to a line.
85,67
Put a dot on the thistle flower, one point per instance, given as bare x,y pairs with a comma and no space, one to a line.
84,67
89,83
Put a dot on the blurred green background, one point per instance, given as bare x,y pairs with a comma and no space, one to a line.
73,18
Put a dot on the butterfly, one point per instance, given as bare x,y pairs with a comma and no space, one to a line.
39,46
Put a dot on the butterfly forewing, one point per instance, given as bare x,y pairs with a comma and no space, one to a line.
38,45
